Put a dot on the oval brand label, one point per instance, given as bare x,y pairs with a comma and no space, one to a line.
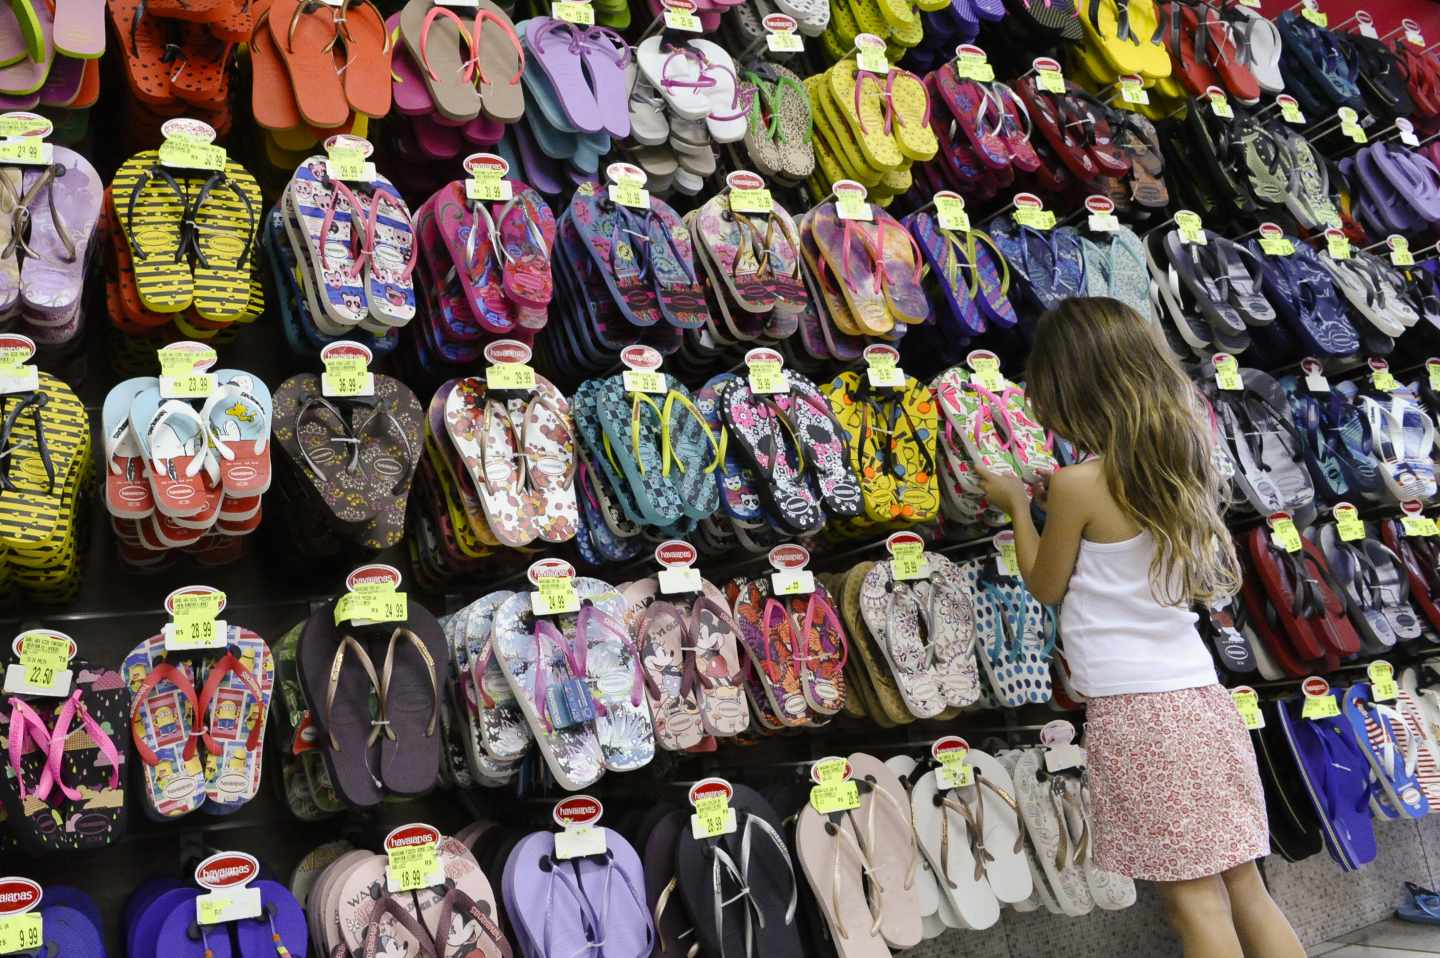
1029,200
226,870
901,538
488,163
14,341
1286,99
1379,365
578,810
780,23
1271,230
1006,537
1315,686
1275,517
789,556
1099,204
815,767
642,358
1410,25
550,569
745,180
22,123
676,553
761,355
881,350
710,788
18,643
18,895
184,126
1058,732
348,141
1412,507
866,40
190,590
1347,114
1363,16
1132,79
687,5
982,355
507,351
376,574
949,743
850,186
1215,91
1045,63
968,49
409,836
616,172
204,356
346,347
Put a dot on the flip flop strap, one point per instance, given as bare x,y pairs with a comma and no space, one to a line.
337,663
591,618
386,417
455,901
143,180
828,616
226,665
508,29
26,724
219,179
391,906
740,100
468,67
702,82
36,402
361,216
689,406
429,660
75,705
166,672
655,610
545,631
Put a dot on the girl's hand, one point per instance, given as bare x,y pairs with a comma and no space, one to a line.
1004,492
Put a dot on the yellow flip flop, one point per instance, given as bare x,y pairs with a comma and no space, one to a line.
911,105
867,121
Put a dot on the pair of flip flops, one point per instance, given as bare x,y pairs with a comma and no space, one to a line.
51,61
160,915
347,464
867,272
757,282
1393,189
45,471
198,723
186,474
677,149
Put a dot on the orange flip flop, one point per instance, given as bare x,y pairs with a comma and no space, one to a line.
196,11
237,27
143,42
201,78
89,87
272,99
306,42
367,60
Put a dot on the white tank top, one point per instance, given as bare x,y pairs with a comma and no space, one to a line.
1118,637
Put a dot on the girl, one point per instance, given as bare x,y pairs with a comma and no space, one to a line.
1133,538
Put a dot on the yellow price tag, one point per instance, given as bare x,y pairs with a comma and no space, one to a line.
1432,367
644,381
1400,254
683,20
907,561
882,373
43,657
1291,113
556,596
383,606
953,771
187,153
1419,526
11,357
631,194
192,631
872,60
1247,703
1384,380
985,373
22,933
767,379
1009,561
1348,524
1038,219
1276,246
1220,106
1284,534
831,771
950,213
1316,17
785,41
1382,681
1337,243
1320,707
412,867
178,378
488,186
751,201
838,797
713,817
346,376
1133,91
1227,372
974,66
349,164
850,205
510,376
574,11
26,151
1192,229
1051,81
198,604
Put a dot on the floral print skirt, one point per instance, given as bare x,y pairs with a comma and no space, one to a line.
1175,792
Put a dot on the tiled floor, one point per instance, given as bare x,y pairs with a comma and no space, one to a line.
1390,938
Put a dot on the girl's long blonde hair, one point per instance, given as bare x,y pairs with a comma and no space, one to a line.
1100,376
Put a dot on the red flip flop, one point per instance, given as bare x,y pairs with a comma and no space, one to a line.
1282,573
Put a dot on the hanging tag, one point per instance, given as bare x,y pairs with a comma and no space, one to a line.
1283,532
1400,254
950,212
954,771
881,369
678,575
1314,371
790,576
1029,211
17,375
1382,681
22,927
642,370
1102,218
971,63
1407,132
713,815
680,15
183,368
43,668
1365,24
554,581
580,834
1290,110
748,193
870,54
347,158
1192,229
833,790
1273,241
1006,560
907,557
851,202
1227,371
1315,16
347,370
23,142
226,877
627,186
766,372
1048,75
1319,703
1061,752
189,145
372,595
1337,243
487,181
1350,124
1219,103
1380,376
1247,703
1412,33
1132,90
1347,522
780,35
194,619
412,859
985,370
1432,369
1413,523
574,11
509,367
